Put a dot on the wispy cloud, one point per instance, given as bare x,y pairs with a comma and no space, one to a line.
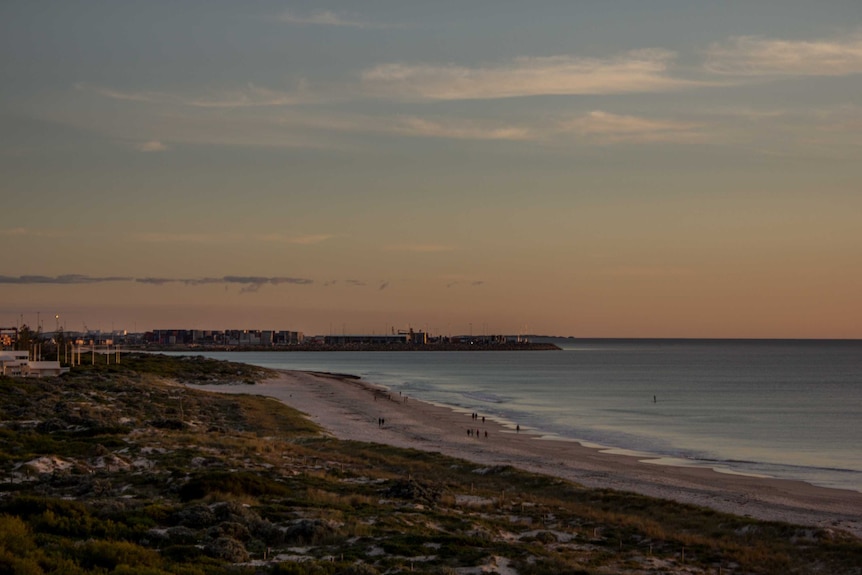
157,281
637,71
61,279
249,284
758,56
249,96
246,283
294,281
257,281
614,128
29,232
330,18
151,146
148,97
348,283
253,284
246,280
416,126
460,130
252,96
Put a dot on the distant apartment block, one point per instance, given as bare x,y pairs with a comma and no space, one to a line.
231,337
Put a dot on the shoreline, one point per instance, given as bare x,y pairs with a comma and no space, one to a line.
351,408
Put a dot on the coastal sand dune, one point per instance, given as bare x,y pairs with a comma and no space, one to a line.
350,408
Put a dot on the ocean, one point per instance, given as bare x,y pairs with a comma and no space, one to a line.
785,409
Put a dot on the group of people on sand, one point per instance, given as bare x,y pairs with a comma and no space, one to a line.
471,431
477,417
381,422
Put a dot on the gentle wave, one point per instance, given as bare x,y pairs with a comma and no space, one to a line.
483,397
738,405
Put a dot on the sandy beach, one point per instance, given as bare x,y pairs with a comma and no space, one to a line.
352,409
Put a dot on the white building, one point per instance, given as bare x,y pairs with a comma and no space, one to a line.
13,362
18,363
45,369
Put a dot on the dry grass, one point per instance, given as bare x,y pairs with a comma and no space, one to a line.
271,467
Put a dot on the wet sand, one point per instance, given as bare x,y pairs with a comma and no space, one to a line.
350,408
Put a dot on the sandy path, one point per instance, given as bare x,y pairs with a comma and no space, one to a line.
350,409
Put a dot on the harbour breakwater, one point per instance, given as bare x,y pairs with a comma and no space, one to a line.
451,346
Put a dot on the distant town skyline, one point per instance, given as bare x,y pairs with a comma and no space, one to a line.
671,168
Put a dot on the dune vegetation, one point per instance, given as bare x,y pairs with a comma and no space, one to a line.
127,469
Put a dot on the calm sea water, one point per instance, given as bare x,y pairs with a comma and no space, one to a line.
790,409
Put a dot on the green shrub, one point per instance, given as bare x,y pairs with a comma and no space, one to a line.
13,564
139,570
182,553
227,549
242,483
15,536
57,516
111,554
27,506
158,512
359,569
304,568
19,553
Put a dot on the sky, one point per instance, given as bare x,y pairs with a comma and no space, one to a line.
631,168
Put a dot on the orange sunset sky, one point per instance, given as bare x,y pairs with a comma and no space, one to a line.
593,169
